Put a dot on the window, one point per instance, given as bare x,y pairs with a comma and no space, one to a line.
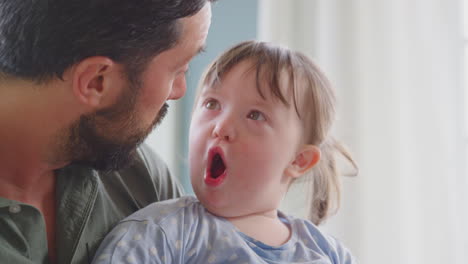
465,74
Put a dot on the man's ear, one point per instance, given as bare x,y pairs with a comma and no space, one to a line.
306,158
91,80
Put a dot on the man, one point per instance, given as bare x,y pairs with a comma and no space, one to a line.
82,83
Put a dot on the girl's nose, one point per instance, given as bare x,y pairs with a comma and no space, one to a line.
225,129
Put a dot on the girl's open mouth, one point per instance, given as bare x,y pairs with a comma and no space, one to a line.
216,169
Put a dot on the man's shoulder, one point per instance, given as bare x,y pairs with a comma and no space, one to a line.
146,164
146,157
147,179
105,198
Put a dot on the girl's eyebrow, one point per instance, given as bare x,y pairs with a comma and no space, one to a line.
213,86
206,91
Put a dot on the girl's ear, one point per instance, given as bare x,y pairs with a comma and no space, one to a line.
306,158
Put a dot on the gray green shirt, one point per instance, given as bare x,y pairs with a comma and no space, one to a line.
89,205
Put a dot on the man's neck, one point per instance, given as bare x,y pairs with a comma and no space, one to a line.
28,126
25,171
26,187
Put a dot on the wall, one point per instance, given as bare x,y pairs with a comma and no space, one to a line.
232,21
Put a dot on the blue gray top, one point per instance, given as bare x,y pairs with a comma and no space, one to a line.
183,231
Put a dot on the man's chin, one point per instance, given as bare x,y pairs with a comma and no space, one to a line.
94,150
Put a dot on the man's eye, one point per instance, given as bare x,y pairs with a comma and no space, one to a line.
212,104
256,115
184,71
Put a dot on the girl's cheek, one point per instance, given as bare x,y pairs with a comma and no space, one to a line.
258,129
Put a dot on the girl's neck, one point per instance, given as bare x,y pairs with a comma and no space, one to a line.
266,228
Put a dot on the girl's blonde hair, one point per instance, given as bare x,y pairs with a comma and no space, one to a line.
313,99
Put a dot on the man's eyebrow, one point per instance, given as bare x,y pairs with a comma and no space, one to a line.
200,50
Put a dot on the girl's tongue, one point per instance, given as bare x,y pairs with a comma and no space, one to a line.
216,170
217,167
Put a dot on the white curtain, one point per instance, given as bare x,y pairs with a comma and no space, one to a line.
398,69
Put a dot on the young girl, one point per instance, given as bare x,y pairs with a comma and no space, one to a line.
261,120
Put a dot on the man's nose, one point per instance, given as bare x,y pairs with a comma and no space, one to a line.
179,87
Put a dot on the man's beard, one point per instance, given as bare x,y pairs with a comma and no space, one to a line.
107,140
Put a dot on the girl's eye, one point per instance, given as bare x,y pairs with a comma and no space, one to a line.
212,104
256,115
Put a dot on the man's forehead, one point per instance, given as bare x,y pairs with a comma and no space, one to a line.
194,33
195,28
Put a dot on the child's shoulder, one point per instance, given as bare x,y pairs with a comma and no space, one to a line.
160,212
305,228
312,237
156,231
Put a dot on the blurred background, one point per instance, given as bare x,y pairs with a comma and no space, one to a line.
399,68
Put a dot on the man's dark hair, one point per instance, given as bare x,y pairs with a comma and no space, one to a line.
41,39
